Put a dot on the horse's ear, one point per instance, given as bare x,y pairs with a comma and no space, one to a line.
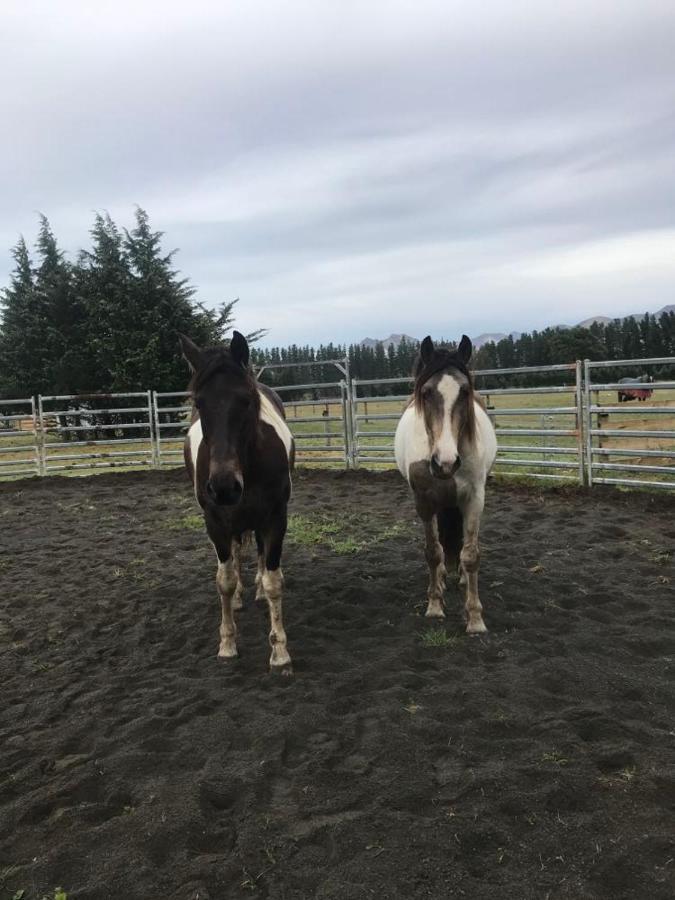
239,349
426,349
191,352
465,349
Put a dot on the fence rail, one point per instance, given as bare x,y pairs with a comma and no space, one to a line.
571,429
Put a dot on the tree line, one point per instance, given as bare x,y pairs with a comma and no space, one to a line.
104,323
107,321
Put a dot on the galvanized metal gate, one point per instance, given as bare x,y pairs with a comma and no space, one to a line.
81,432
618,438
19,447
317,412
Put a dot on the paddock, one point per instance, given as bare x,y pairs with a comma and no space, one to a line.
402,760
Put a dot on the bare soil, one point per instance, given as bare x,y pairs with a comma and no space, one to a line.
400,761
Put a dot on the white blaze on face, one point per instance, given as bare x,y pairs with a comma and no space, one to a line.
445,447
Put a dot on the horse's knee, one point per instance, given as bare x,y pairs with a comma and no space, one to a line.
434,555
470,557
226,577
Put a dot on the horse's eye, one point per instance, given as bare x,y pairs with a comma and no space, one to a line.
199,404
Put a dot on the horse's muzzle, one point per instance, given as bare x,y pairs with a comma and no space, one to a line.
443,470
225,490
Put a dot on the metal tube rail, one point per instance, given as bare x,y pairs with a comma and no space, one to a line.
89,397
109,443
639,385
618,432
109,465
17,448
625,451
635,467
636,482
635,410
95,412
116,427
536,464
612,363
113,453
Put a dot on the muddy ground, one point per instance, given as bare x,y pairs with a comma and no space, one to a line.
401,761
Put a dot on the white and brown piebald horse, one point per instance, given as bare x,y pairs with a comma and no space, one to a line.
445,446
239,454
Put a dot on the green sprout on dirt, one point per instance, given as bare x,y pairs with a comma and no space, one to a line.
437,637
555,757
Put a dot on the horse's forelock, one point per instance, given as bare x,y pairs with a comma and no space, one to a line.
218,359
441,361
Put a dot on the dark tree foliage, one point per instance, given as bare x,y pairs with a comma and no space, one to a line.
106,323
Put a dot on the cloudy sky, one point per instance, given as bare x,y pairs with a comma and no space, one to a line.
357,168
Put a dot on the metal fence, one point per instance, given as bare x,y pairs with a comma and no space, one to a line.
540,437
317,413
95,431
19,449
620,440
552,422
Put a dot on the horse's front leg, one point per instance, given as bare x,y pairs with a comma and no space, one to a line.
227,579
470,563
272,581
237,601
260,544
434,556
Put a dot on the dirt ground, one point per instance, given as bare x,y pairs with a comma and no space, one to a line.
400,761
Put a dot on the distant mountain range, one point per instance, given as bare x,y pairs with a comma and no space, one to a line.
497,336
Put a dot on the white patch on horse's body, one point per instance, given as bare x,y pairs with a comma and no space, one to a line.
269,414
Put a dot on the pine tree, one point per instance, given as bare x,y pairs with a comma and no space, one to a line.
23,332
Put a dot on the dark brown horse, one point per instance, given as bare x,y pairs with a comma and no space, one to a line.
239,453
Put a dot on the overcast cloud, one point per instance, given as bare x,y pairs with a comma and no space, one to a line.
357,168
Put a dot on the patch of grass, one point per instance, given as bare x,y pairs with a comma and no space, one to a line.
345,537
437,637
555,757
190,522
661,557
306,531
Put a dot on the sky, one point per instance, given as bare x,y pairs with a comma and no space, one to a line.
359,168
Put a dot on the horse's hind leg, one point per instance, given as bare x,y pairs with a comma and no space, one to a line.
434,556
470,563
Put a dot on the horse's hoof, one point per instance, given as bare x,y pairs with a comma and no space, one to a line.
434,614
476,630
285,670
228,656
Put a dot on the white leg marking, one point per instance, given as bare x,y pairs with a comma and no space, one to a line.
226,580
273,587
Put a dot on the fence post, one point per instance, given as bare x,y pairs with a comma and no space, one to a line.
40,439
579,402
588,422
353,410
